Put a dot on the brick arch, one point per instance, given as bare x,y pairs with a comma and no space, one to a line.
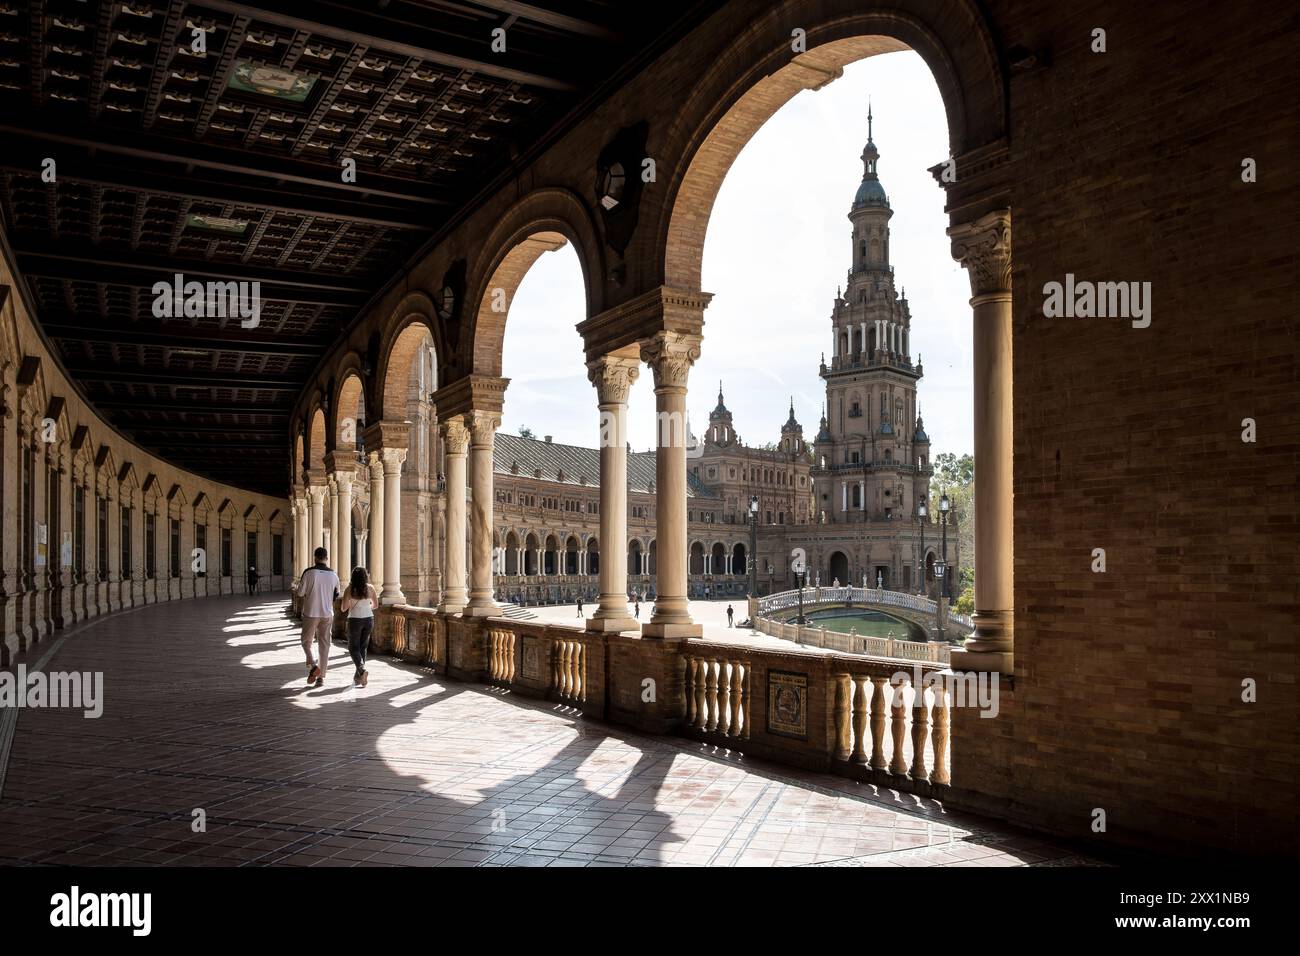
542,221
411,321
758,74
316,440
349,391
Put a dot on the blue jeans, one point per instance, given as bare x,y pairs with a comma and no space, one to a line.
359,631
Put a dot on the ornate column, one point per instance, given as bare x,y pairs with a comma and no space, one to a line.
483,426
983,247
333,513
613,377
301,533
392,459
342,466
376,516
455,442
317,493
670,355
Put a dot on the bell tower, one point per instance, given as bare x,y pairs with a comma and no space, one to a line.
867,464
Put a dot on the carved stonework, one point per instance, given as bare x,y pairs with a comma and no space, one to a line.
482,427
613,378
983,247
455,435
671,355
392,459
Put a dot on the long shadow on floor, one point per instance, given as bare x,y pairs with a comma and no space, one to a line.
207,720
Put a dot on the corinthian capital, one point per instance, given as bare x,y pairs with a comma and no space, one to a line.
983,247
671,355
613,377
455,436
482,426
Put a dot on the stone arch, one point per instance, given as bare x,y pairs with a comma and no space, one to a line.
756,75
413,320
697,558
837,568
717,558
348,402
542,221
316,442
738,554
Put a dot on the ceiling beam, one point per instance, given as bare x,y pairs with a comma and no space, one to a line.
111,265
83,169
412,40
177,334
189,153
197,378
550,18
188,408
207,428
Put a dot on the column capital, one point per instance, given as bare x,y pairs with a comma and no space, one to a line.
455,435
317,492
670,355
983,247
483,426
613,376
384,435
390,459
343,480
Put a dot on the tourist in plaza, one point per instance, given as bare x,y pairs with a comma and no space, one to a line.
359,604
730,615
252,580
579,607
318,588
636,606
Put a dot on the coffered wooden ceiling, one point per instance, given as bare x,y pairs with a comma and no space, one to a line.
225,165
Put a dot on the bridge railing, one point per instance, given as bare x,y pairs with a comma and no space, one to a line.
784,600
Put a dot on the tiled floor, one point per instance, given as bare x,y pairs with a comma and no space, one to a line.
206,711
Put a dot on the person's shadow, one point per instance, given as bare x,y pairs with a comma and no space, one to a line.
411,769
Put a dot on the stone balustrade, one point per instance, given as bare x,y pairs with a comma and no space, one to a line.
857,716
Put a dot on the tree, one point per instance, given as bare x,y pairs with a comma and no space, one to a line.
955,476
526,432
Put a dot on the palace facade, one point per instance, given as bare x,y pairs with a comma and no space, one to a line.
848,500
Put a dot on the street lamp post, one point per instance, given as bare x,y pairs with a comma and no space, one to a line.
753,546
920,520
943,511
940,606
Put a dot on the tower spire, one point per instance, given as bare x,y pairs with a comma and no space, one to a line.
868,119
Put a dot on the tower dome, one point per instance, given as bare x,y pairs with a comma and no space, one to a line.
870,192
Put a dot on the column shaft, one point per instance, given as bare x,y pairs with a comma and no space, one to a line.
483,426
392,464
376,518
455,434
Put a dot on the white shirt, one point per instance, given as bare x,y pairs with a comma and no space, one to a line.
318,588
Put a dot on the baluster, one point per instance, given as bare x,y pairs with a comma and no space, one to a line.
898,765
571,668
940,735
691,682
579,670
702,697
714,667
843,715
564,668
748,696
878,724
920,733
861,706
556,679
492,654
510,669
737,711
724,697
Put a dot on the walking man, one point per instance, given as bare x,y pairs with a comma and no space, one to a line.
318,588
636,605
579,605
730,614
252,580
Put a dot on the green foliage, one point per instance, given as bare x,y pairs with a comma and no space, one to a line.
526,432
966,603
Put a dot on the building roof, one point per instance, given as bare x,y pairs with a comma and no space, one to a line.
570,464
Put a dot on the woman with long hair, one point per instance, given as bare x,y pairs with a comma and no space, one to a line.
359,604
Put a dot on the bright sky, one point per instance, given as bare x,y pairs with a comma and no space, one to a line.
777,247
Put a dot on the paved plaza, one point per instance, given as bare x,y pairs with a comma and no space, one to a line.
206,716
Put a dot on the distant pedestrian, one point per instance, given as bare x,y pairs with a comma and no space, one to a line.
636,606
318,588
359,604
730,614
579,607
252,580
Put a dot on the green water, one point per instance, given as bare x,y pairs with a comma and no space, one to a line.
868,624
